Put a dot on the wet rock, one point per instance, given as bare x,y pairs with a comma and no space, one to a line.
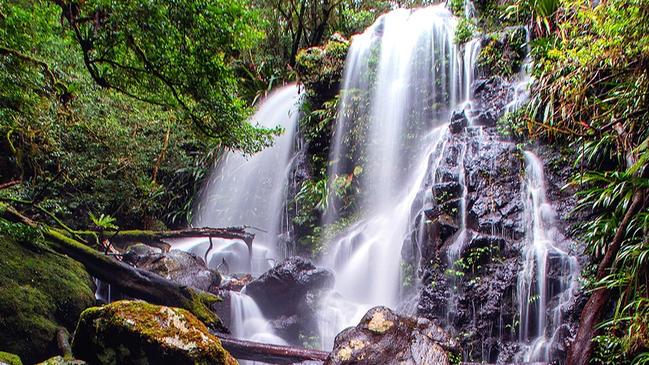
383,337
237,282
178,266
490,96
40,291
459,121
295,278
134,332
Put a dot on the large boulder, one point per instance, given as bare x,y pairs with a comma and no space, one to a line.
40,291
288,295
383,337
294,278
178,266
135,332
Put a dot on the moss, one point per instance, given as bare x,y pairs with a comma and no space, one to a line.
59,360
503,53
321,68
39,292
200,307
134,332
10,359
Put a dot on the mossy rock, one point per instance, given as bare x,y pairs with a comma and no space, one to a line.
60,360
321,68
502,53
135,332
40,291
9,359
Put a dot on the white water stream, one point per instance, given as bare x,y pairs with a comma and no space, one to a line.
415,64
549,276
250,191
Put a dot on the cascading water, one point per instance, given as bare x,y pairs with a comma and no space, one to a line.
414,75
248,323
250,191
549,276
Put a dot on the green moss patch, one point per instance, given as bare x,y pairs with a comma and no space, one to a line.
39,292
135,332
321,68
9,359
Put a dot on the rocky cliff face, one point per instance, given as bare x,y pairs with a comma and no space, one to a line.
468,236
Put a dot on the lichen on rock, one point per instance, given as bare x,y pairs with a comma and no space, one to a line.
383,337
135,332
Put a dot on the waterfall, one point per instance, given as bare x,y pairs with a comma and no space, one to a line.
248,323
413,75
549,276
249,191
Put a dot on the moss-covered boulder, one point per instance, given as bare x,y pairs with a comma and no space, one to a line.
321,68
39,291
135,332
60,360
9,359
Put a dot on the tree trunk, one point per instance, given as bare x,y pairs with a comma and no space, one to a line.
582,346
272,354
131,281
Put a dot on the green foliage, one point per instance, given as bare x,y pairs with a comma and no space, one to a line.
457,7
504,52
180,59
464,31
79,148
513,125
103,221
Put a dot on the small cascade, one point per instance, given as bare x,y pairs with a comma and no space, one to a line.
249,191
248,323
549,276
454,251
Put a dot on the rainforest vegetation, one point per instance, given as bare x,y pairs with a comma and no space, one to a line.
112,114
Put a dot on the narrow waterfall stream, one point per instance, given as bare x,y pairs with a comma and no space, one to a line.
549,276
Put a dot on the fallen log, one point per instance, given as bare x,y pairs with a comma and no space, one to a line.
157,238
285,355
271,354
131,281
